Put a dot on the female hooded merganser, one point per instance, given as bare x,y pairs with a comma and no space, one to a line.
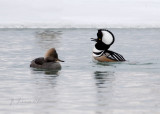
50,61
104,41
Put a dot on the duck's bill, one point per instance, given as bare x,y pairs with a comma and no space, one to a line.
94,39
60,60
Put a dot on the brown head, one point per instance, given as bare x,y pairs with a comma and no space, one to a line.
51,56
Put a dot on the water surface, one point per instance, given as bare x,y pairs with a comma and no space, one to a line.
82,85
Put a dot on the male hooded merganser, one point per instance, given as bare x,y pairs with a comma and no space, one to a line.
104,41
50,61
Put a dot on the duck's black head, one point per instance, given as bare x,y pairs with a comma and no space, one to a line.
105,39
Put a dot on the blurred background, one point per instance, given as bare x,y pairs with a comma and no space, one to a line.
80,13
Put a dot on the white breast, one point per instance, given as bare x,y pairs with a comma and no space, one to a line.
96,52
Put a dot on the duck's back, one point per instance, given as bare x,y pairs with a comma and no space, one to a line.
42,64
113,56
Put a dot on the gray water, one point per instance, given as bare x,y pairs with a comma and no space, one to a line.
82,86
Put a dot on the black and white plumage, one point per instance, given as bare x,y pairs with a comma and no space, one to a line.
108,55
104,41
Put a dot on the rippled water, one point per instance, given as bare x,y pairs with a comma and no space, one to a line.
82,86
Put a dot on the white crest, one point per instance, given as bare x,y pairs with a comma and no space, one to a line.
107,37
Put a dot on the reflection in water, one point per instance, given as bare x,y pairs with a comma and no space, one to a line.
104,82
46,85
48,38
43,71
48,34
103,78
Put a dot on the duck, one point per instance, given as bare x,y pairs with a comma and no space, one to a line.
49,61
101,52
